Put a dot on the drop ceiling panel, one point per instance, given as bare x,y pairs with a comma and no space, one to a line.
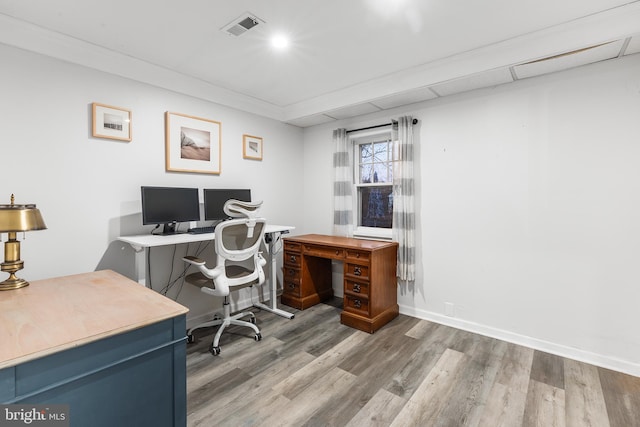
405,98
634,45
568,60
317,119
476,81
352,111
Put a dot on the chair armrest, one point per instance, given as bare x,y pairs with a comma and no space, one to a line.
261,260
193,260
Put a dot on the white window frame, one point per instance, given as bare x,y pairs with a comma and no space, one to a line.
356,139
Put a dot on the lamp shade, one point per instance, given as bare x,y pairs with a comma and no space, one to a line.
14,218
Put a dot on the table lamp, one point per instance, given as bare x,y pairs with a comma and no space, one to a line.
13,219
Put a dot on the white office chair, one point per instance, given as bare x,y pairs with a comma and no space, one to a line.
239,264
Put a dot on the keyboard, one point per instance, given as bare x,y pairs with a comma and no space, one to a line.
202,230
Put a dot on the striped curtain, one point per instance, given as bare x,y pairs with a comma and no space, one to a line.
342,185
404,219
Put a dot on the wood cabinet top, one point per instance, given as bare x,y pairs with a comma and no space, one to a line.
344,242
57,314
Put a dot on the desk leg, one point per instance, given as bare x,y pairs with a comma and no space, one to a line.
140,263
273,282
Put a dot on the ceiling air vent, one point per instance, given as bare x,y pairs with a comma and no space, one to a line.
241,25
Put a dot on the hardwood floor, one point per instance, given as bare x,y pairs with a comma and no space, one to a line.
313,371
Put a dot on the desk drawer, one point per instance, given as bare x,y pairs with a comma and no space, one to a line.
292,246
292,259
291,274
356,304
355,255
357,270
291,288
324,251
353,287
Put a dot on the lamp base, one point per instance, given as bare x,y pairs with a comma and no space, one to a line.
13,282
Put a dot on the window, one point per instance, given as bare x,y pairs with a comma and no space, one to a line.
373,169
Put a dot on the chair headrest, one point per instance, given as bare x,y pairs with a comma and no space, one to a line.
239,209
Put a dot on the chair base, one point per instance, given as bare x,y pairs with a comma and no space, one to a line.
225,321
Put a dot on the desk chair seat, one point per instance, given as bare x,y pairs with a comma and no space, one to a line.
239,264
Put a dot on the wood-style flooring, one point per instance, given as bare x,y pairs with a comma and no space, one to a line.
314,371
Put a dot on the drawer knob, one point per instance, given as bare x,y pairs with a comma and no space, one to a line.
356,288
337,252
292,286
357,271
357,303
292,258
291,272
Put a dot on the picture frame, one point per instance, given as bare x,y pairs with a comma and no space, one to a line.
192,144
251,147
111,122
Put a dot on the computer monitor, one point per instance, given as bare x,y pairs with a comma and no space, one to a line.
168,206
215,198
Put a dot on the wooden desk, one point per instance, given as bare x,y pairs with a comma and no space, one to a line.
370,285
112,350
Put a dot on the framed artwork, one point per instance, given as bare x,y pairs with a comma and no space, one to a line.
111,122
251,147
193,144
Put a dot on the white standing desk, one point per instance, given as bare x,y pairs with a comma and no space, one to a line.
141,244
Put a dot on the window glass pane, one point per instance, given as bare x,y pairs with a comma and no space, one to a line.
366,172
381,151
365,153
376,206
381,172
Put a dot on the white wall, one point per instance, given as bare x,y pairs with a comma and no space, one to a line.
88,189
529,210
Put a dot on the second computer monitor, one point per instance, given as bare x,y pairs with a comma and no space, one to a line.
215,198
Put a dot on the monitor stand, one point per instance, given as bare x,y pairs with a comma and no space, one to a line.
169,228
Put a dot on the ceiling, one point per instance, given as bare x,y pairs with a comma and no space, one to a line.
346,58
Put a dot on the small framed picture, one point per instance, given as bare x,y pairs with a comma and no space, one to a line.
193,144
111,122
251,147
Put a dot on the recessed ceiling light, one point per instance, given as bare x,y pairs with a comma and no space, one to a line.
280,42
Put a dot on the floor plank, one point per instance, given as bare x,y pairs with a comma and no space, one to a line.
548,369
380,410
622,397
584,402
545,406
424,406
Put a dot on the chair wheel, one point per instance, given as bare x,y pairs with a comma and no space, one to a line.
190,339
252,319
214,350
258,337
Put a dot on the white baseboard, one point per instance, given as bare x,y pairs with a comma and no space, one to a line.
603,361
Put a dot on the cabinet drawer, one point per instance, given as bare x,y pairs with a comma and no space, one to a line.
292,259
292,246
358,255
291,288
356,304
324,252
354,287
291,274
356,270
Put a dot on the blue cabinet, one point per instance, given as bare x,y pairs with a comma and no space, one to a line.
126,371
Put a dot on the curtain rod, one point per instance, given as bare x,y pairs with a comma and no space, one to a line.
415,121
